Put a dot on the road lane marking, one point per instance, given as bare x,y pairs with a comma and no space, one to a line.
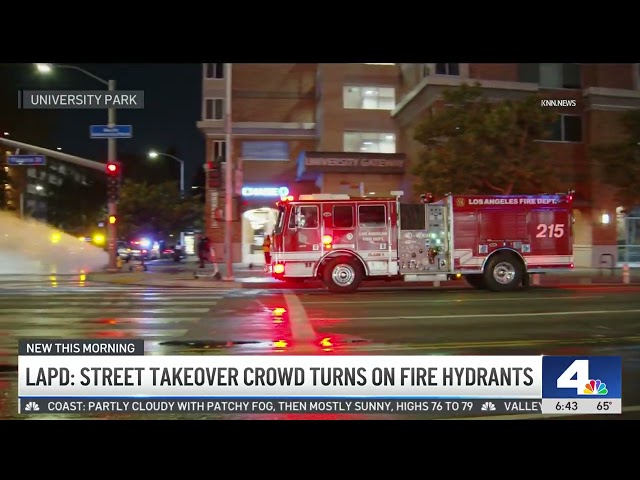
477,315
538,416
451,300
105,311
301,329
493,344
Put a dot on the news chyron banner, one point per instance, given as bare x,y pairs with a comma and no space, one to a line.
114,376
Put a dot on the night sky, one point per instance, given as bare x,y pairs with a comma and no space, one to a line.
173,99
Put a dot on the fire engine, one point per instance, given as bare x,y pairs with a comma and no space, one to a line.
494,242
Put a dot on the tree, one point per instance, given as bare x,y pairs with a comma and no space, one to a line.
156,209
619,162
475,146
4,180
198,181
140,168
74,205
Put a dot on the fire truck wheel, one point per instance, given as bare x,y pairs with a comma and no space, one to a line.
503,273
343,275
476,281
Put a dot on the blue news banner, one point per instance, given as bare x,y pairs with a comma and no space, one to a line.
581,385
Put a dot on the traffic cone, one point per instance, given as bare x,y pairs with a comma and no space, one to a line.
625,273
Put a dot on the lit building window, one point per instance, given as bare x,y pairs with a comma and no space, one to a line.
213,109
369,98
447,69
369,142
214,70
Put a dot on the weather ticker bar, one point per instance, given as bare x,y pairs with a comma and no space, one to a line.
440,408
80,99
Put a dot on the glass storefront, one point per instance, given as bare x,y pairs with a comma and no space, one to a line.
256,224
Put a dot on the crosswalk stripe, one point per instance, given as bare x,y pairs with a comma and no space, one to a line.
154,314
76,302
87,290
50,285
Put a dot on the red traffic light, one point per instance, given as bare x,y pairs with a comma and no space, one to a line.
112,168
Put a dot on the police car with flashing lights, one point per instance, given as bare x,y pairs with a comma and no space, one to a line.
144,248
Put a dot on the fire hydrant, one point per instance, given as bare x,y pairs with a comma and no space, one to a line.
119,263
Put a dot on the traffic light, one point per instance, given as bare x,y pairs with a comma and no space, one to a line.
113,182
112,219
214,175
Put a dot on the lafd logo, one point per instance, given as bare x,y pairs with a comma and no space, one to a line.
459,202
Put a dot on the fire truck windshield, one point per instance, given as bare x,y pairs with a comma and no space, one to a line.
279,220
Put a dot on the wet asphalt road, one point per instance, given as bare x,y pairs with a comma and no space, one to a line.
585,320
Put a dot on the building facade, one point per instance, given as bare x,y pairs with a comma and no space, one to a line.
602,92
348,128
28,187
299,129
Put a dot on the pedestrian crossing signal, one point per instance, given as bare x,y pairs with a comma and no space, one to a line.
112,219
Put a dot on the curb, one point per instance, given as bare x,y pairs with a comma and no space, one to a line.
189,283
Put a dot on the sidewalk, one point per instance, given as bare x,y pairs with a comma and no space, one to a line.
243,277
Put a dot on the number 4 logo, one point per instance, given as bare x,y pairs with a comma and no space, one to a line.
576,376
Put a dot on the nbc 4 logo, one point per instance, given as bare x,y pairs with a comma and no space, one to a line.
31,407
577,377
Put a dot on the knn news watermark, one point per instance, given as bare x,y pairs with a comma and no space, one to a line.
558,103
80,99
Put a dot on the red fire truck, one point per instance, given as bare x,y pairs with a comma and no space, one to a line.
494,242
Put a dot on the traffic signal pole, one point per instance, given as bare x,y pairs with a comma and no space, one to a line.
81,162
112,205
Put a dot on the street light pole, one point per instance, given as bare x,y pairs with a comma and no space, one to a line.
154,154
112,206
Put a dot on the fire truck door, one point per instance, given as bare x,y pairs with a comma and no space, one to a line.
340,223
304,229
373,230
550,232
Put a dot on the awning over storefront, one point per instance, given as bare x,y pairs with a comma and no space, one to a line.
313,164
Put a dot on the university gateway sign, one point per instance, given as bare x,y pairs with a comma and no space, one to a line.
348,162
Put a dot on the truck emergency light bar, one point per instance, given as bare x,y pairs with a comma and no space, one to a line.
325,196
332,196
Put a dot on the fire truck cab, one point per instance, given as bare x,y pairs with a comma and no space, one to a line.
495,242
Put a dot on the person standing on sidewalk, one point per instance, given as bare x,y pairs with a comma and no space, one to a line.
266,248
207,254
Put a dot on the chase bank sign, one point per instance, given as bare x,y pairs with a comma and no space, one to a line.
265,192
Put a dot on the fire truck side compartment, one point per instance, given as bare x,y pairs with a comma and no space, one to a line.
423,243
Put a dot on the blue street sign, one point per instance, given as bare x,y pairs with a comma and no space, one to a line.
105,131
27,160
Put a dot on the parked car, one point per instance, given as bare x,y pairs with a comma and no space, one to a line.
123,251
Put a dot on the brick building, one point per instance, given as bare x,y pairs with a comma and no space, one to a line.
299,128
347,128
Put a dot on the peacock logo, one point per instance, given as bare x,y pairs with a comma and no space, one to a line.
595,387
